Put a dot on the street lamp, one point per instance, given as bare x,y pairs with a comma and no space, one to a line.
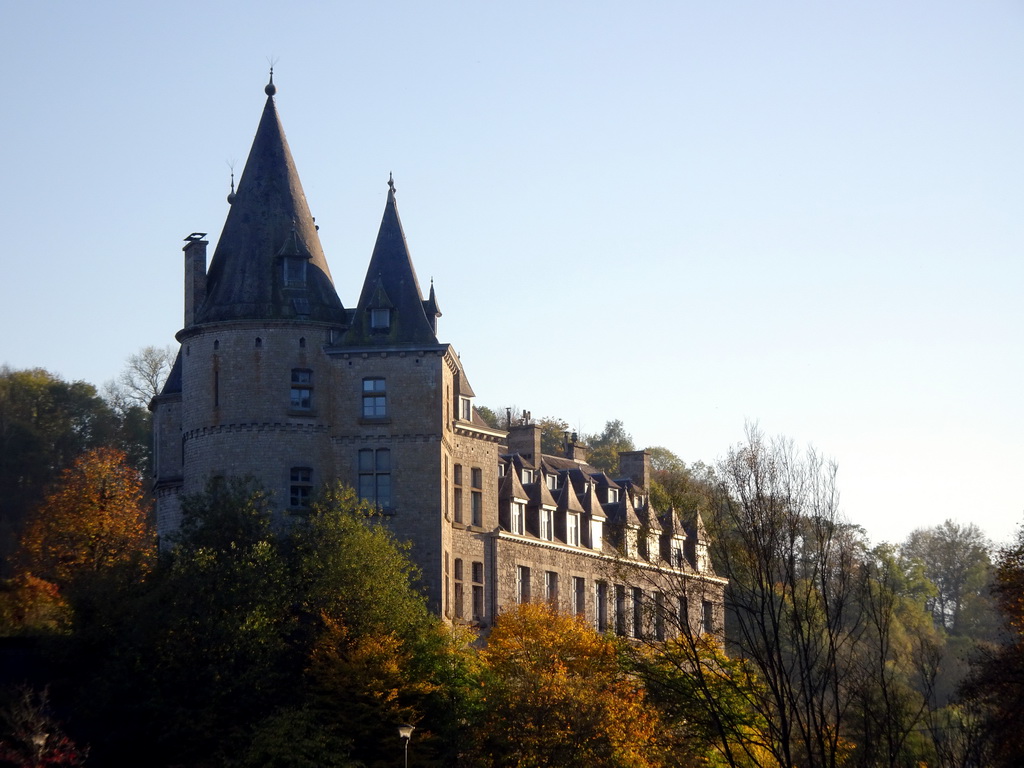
405,733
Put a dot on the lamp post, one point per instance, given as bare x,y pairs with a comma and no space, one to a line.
405,733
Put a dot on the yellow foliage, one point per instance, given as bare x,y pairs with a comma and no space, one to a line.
94,519
557,695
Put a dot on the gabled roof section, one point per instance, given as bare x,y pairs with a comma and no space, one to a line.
269,221
391,270
511,488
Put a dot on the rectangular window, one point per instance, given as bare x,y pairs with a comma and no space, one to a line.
522,584
572,529
375,476
596,534
294,270
708,617
613,495
518,518
620,609
551,587
457,475
478,508
302,390
659,616
579,595
466,409
638,612
380,319
601,605
552,482
478,477
458,505
375,401
458,600
478,602
547,524
300,487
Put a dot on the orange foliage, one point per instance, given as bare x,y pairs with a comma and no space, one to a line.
94,519
557,695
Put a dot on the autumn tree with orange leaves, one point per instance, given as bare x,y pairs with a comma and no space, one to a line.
555,694
93,520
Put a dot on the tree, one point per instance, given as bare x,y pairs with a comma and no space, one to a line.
564,688
142,377
956,560
45,423
261,643
92,521
792,612
995,688
30,736
604,447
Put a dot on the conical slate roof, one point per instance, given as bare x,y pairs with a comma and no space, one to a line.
269,222
391,285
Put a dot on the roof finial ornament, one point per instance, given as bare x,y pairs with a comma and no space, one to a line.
270,88
391,182
231,194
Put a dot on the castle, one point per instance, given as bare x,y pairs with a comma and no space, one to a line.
278,380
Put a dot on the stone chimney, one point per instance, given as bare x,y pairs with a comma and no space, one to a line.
195,275
524,439
574,449
636,465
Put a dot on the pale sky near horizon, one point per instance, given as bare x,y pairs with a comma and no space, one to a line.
683,215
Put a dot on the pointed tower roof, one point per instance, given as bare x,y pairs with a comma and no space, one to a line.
511,488
268,223
391,275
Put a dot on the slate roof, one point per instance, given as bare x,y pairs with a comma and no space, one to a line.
269,220
391,284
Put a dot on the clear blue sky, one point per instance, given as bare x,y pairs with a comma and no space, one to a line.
684,215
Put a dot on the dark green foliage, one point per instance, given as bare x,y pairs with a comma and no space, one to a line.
262,642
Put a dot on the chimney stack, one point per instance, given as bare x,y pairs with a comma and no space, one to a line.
195,275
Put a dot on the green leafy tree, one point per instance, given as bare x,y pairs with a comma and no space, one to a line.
995,688
603,448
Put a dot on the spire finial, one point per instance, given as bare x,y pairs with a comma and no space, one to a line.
270,88
231,194
391,182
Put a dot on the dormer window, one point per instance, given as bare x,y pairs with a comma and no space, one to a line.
465,409
294,271
380,319
552,481
613,495
527,476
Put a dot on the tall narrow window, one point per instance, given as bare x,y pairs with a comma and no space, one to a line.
518,517
620,609
551,587
477,477
659,616
458,505
572,529
300,487
478,591
601,605
708,617
302,389
547,524
579,595
522,583
638,612
375,401
375,476
458,588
